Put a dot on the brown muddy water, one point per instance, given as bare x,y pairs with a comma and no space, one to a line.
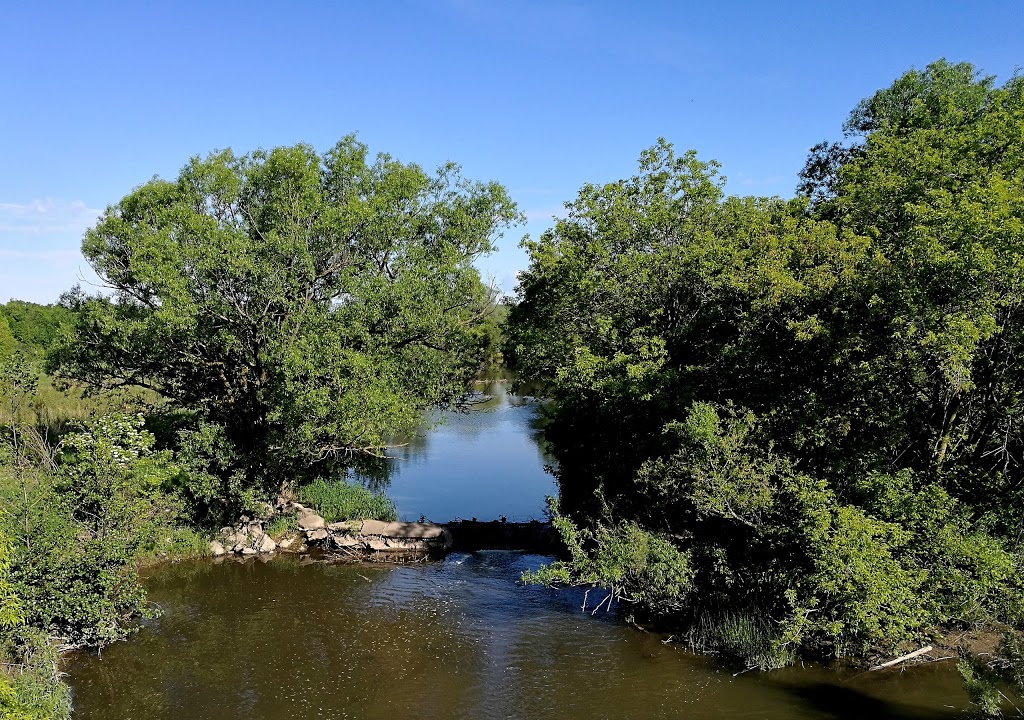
287,638
455,639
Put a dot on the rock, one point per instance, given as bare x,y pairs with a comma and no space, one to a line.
227,531
378,544
216,549
345,526
237,537
267,544
248,550
317,535
309,520
286,542
346,542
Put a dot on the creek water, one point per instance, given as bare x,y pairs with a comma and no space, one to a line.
482,463
294,638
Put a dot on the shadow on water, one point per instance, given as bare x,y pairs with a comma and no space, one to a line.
832,700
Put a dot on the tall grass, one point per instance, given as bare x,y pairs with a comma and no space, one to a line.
56,410
747,636
337,500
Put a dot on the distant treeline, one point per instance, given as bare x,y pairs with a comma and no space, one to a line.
32,328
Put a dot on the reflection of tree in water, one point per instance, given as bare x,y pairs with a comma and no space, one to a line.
469,423
538,424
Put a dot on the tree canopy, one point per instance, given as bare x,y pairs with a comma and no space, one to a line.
37,328
817,402
303,308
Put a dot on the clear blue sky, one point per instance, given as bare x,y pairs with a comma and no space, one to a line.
541,96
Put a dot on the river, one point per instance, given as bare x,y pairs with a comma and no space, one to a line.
291,638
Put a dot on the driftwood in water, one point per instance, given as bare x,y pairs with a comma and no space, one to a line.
904,658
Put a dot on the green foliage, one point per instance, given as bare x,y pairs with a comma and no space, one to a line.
11,614
982,687
819,402
307,306
76,518
281,524
985,680
632,565
79,519
337,500
30,685
746,636
7,342
35,328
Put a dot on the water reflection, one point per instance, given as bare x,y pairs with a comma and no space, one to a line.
281,639
483,462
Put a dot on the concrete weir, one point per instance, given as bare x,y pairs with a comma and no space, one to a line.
422,539
374,540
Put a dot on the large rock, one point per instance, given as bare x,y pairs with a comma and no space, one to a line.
344,526
267,544
309,520
237,537
378,544
216,549
317,535
346,542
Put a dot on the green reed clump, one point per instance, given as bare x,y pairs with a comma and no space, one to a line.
337,500
746,636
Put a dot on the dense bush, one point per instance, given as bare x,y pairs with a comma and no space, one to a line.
35,328
79,521
818,402
77,515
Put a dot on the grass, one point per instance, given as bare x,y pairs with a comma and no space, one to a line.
280,525
56,410
339,500
175,543
743,635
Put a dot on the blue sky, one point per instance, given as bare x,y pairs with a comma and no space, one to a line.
541,96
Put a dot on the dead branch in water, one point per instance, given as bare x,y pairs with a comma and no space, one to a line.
903,658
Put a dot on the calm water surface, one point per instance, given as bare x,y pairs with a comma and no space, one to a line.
290,638
481,463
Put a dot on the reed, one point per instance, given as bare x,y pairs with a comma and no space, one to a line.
337,500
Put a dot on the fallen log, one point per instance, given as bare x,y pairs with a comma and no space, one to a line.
903,658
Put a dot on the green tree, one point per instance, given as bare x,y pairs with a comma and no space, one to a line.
304,308
818,400
37,327
7,343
